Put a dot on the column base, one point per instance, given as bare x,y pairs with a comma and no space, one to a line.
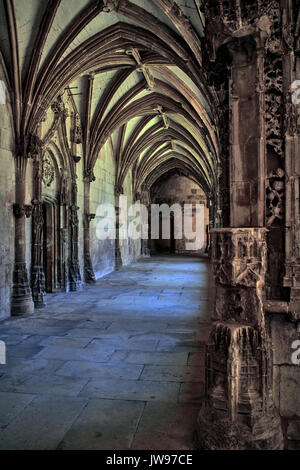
74,277
89,275
21,300
118,259
221,434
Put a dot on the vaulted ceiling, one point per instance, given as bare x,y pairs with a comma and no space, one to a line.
135,72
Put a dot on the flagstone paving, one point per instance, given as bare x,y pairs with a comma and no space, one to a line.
118,365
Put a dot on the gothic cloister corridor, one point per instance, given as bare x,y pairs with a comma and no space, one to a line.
117,365
143,144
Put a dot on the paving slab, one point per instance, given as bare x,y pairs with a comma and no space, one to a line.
98,370
107,425
68,354
166,426
42,424
45,385
178,373
131,390
140,357
11,405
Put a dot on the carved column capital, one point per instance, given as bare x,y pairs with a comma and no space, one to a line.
88,175
20,211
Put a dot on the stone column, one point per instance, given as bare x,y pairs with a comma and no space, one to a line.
118,257
21,302
37,269
89,275
238,410
74,271
145,244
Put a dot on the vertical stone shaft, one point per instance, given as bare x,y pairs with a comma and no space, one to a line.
21,303
74,271
89,275
37,269
118,256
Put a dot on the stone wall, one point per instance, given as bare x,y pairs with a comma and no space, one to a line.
179,189
286,376
7,198
102,191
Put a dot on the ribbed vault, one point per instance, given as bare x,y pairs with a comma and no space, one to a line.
134,76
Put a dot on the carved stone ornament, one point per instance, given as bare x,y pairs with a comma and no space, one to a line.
34,146
21,211
275,196
77,131
110,5
89,175
48,171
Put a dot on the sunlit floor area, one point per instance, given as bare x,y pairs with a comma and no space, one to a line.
118,365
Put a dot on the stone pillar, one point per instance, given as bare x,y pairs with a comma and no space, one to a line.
37,269
89,275
21,302
118,257
74,271
238,410
145,243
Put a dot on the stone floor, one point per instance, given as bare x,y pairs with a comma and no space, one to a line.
118,365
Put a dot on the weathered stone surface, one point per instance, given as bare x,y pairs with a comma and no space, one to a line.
99,370
168,373
49,385
174,426
289,390
283,333
107,424
11,406
43,424
131,390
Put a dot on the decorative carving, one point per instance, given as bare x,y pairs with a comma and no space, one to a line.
20,211
88,175
77,130
48,171
37,272
74,272
275,196
238,255
118,189
110,5
274,103
290,116
58,106
34,146
238,410
142,68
